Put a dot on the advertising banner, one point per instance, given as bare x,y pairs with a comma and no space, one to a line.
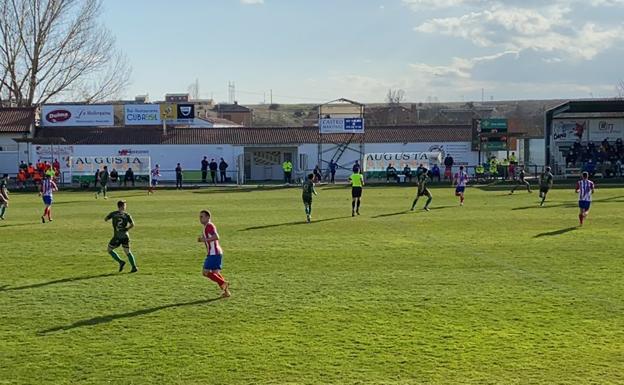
142,114
379,161
338,125
610,129
74,115
568,130
86,165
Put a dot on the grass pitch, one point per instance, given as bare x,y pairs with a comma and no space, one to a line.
496,292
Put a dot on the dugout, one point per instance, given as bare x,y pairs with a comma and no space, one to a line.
580,124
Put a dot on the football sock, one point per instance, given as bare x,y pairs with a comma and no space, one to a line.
131,258
414,204
358,205
216,278
543,199
461,199
115,256
581,217
352,205
428,202
2,210
220,276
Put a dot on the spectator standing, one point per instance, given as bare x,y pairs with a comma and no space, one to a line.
287,166
178,172
356,167
435,173
213,166
332,170
317,174
223,170
448,167
204,169
56,165
97,178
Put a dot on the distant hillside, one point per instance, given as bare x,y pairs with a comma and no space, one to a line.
525,116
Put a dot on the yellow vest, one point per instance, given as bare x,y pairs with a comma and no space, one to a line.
287,166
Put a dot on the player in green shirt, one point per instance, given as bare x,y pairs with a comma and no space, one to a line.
357,182
308,190
546,182
103,183
422,177
122,222
4,195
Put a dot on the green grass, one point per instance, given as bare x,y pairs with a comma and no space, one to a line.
496,292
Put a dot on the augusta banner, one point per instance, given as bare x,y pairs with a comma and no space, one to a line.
87,165
379,161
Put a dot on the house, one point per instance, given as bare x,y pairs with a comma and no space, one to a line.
234,112
15,123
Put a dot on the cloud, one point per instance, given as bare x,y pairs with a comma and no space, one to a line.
542,28
252,2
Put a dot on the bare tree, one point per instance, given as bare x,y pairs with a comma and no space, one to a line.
52,49
395,97
619,88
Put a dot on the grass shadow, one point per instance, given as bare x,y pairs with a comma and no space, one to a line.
57,281
614,199
111,317
556,232
292,223
392,214
19,224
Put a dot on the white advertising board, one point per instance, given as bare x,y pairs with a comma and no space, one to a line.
74,115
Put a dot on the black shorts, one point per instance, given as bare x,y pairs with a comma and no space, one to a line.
544,190
356,192
307,200
115,242
424,191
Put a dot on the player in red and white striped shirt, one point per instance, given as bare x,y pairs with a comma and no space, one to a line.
585,189
46,189
214,253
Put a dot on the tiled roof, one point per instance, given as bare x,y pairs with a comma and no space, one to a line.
231,108
16,120
251,136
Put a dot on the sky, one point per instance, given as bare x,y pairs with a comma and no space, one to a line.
316,51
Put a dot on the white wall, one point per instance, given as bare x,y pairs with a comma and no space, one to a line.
166,156
537,148
460,151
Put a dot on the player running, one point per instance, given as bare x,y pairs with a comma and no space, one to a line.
546,183
459,181
122,223
46,191
308,190
103,177
357,182
585,189
155,176
422,177
4,195
521,180
213,262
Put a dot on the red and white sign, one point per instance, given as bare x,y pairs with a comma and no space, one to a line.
75,115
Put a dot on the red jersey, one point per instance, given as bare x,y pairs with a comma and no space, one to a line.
212,247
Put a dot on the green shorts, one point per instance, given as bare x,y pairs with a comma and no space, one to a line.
307,200
115,242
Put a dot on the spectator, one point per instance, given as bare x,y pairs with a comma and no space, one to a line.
448,167
356,166
223,170
493,167
512,159
512,171
590,167
97,178
480,172
618,168
287,166
204,169
114,176
391,173
21,178
407,171
435,173
23,166
178,172
129,177
213,166
317,174
56,165
571,158
332,170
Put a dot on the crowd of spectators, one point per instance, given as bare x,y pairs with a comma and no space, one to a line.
605,158
29,173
